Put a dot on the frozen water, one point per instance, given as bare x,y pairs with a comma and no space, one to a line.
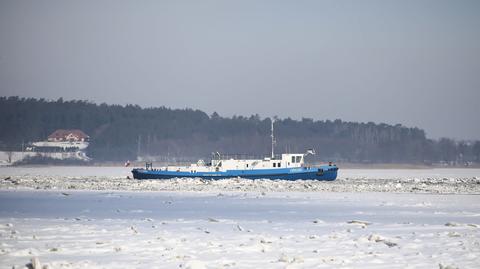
66,171
93,229
349,180
94,217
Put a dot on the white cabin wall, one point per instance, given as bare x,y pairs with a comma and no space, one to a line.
232,164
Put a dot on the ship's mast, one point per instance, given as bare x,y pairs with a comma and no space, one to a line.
273,142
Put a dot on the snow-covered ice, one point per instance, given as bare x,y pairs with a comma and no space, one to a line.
466,181
94,229
94,217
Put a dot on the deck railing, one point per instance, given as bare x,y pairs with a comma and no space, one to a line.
216,156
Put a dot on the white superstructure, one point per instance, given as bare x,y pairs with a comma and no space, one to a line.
224,164
221,163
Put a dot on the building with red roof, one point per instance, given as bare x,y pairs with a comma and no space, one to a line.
73,135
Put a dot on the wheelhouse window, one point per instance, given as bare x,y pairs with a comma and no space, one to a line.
293,159
299,158
274,164
278,164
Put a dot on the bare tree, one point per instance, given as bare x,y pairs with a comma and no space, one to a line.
9,156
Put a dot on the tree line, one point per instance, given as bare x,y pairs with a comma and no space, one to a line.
127,132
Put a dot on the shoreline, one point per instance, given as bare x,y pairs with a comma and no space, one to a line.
372,166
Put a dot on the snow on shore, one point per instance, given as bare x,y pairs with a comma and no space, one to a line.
466,181
94,229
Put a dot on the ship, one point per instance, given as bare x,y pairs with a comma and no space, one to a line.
286,166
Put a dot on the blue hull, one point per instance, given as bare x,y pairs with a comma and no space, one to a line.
303,173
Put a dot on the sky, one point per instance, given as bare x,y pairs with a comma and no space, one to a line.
413,62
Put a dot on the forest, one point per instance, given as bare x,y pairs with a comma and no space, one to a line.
130,132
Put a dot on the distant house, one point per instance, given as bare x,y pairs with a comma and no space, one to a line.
74,135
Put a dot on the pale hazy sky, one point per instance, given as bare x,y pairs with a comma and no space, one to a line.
411,62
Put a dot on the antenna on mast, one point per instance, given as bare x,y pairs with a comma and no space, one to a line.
273,141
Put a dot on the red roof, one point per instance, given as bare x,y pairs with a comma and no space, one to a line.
62,134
